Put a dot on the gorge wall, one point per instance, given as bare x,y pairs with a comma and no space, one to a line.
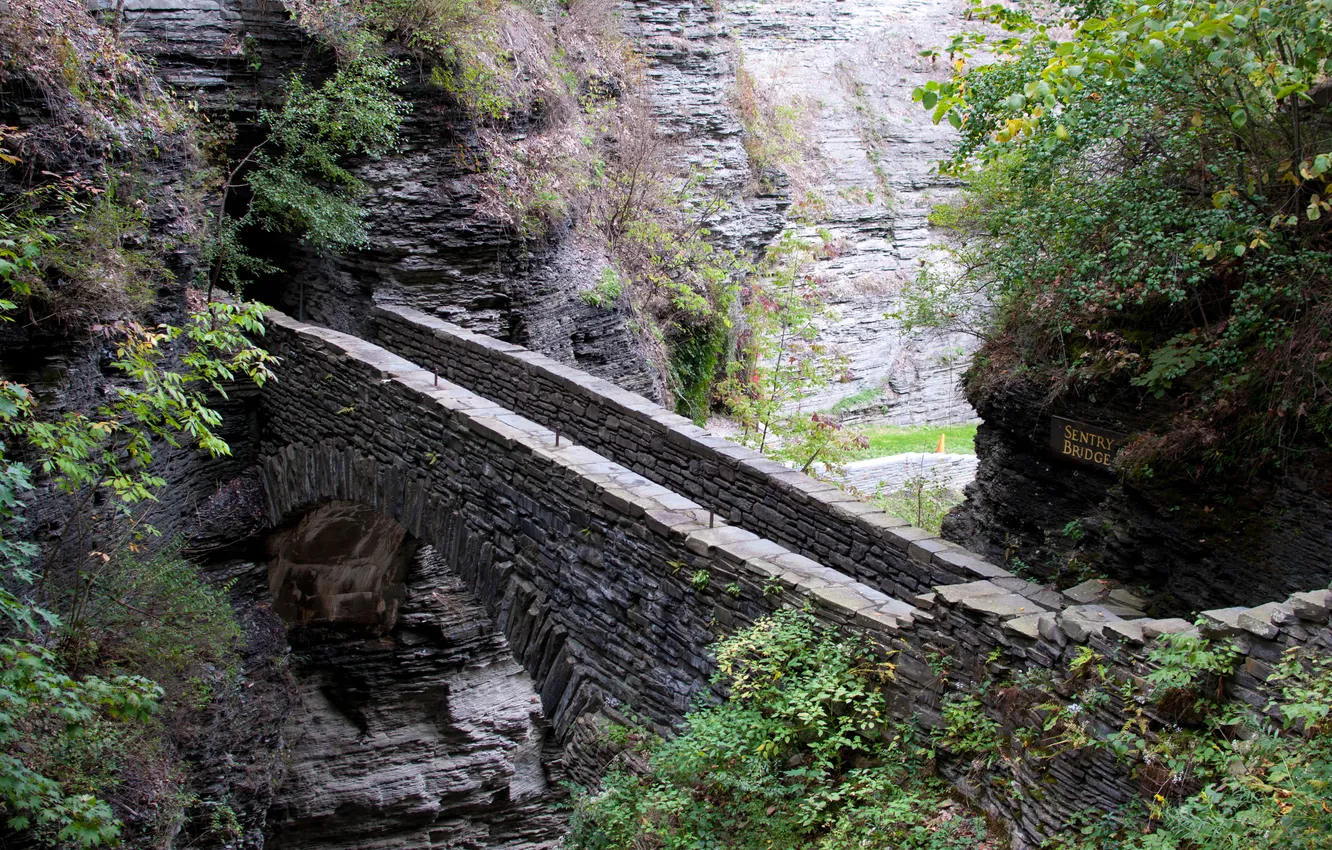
610,586
438,246
843,74
1191,542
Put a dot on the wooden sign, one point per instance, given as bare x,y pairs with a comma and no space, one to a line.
1083,443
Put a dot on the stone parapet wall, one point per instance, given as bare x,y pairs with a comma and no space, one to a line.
815,518
610,586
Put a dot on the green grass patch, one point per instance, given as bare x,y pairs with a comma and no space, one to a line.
887,440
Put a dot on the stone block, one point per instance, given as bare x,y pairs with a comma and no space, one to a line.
1013,584
797,563
759,548
1002,605
1047,625
879,521
1120,596
1152,629
955,593
1222,622
844,597
1081,621
1123,611
1086,593
1130,630
1028,626
1258,621
704,542
1044,596
1311,605
876,619
903,536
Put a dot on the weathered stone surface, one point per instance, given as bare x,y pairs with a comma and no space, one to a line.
955,593
1081,621
1152,629
1028,625
1130,630
1222,621
1259,621
1088,592
432,727
1002,605
848,69
1123,597
1311,605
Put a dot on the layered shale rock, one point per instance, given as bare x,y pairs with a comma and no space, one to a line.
415,725
848,70
1193,545
433,246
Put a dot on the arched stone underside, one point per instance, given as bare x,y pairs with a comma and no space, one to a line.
299,477
416,725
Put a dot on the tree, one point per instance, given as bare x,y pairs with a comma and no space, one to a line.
781,362
45,713
1148,210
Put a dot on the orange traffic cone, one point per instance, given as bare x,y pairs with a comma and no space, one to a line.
939,449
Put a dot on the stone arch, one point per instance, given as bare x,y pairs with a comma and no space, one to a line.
298,478
416,718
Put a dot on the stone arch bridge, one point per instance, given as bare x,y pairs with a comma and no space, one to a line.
611,541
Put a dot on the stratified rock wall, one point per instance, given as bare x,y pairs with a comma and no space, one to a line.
429,736
691,86
1193,547
432,247
848,69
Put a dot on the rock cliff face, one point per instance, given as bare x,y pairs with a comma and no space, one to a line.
1192,547
692,52
415,726
848,69
432,247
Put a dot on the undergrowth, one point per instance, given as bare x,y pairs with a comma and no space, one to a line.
801,753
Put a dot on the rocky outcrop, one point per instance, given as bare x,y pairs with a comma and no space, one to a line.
1190,545
428,735
432,245
848,69
691,86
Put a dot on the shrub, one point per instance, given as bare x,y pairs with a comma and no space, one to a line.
1148,213
607,291
1218,775
68,737
800,754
